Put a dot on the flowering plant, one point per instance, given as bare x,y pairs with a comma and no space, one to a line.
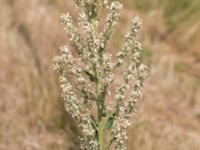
86,77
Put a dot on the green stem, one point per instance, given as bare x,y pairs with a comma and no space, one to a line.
100,135
99,106
91,10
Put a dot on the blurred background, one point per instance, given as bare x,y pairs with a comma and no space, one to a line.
32,116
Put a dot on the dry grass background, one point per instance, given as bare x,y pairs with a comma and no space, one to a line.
32,116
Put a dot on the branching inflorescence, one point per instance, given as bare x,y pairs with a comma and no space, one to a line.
86,78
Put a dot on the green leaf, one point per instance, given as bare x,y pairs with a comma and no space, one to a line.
90,76
109,123
94,123
88,95
104,91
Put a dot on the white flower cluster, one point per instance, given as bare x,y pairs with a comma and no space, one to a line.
80,2
88,144
132,49
72,31
92,39
111,21
129,40
66,60
83,3
128,109
98,71
73,104
136,72
106,70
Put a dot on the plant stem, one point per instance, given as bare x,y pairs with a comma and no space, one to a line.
100,121
100,113
92,13
100,135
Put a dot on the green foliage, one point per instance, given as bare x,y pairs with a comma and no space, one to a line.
144,5
109,123
146,55
179,67
180,11
175,12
